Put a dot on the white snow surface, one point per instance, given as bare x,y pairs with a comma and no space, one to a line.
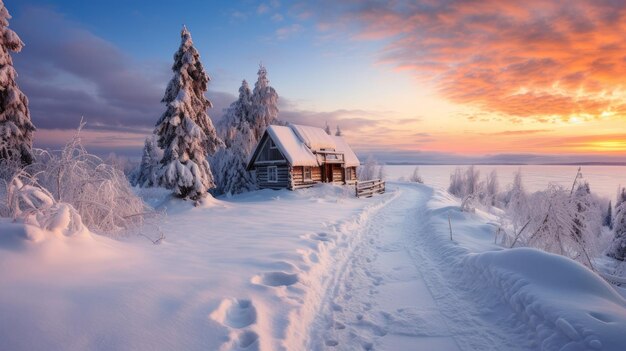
315,269
315,138
297,153
349,157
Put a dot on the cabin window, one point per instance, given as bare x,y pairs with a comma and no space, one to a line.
272,174
273,152
306,173
348,174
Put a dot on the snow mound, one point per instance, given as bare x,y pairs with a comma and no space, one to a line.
566,305
569,306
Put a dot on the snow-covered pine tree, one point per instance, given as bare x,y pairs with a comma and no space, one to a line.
617,249
16,128
235,178
230,163
238,113
185,131
264,104
327,129
588,216
338,131
146,175
608,218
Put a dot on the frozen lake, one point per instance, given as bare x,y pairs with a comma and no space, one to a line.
604,180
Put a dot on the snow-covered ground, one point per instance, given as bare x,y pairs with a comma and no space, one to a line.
313,269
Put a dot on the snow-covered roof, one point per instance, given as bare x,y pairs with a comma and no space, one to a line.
315,138
349,156
294,150
299,145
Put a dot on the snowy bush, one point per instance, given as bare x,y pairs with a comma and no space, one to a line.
556,226
457,183
382,173
369,170
490,188
517,207
24,199
99,192
466,184
416,177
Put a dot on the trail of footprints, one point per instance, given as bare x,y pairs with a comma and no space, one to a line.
240,315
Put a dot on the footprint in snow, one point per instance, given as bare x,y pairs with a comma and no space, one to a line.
275,279
235,313
247,340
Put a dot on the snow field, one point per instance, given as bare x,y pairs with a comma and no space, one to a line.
314,269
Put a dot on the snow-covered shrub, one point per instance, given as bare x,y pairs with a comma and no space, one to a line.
556,226
382,173
472,181
416,177
24,199
368,170
466,185
99,192
517,206
490,189
457,183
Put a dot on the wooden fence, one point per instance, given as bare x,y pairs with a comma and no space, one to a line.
369,187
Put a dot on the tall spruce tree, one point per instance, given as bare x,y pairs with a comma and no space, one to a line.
146,175
185,131
16,128
327,129
230,163
264,104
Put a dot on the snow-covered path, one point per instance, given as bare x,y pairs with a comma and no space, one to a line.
394,294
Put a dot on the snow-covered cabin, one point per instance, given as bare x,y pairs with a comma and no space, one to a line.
296,156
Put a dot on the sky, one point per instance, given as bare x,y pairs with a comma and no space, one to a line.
407,81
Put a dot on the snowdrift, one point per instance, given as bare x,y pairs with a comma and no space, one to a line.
569,306
566,305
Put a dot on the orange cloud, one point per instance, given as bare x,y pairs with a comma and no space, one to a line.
536,59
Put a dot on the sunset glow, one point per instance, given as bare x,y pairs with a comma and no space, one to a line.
460,78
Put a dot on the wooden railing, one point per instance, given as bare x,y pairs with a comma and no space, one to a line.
369,187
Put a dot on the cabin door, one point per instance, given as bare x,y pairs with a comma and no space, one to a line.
329,173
